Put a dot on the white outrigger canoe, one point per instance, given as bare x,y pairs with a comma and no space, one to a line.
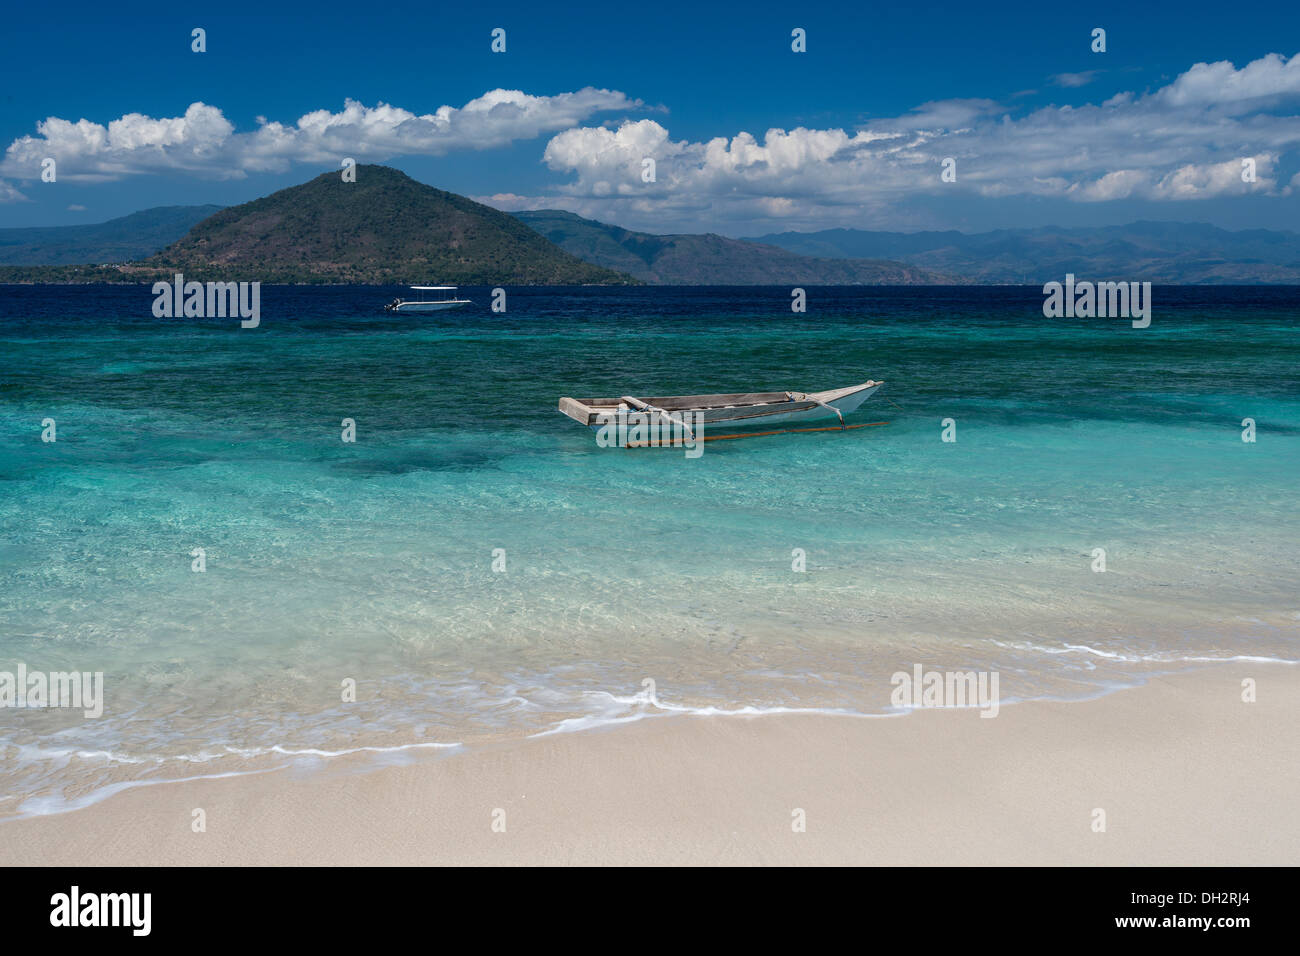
437,305
739,410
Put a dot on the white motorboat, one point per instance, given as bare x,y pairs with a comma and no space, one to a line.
434,305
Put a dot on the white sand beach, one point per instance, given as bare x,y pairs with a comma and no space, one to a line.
1184,770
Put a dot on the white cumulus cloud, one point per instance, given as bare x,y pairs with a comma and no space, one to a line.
1221,84
1185,141
204,142
10,194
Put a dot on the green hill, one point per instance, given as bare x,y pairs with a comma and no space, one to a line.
385,228
711,259
118,240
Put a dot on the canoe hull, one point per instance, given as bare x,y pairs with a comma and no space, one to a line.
740,410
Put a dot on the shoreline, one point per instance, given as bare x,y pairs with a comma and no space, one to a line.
375,751
1186,772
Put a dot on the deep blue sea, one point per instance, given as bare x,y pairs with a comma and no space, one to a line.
636,581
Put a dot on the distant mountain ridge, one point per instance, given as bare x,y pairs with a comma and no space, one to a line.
1161,252
389,229
711,259
123,239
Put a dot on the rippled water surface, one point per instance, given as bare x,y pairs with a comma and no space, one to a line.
329,562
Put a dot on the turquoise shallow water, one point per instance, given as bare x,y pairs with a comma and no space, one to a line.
373,561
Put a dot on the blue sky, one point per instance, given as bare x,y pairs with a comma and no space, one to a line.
883,94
